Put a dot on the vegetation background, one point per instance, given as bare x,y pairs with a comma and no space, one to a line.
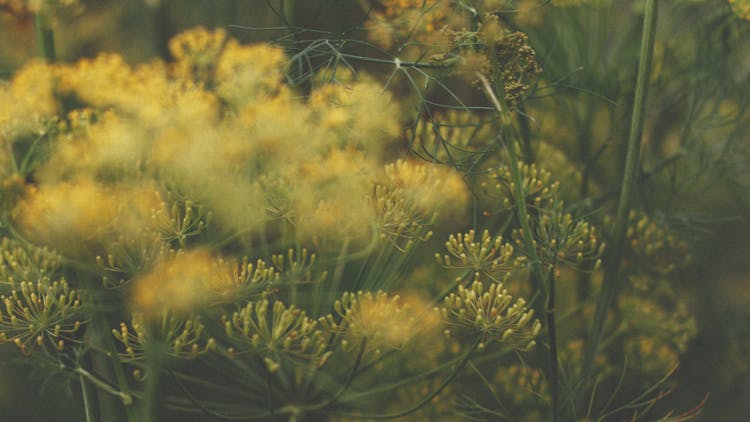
705,37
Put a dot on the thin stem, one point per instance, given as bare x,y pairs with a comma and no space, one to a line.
103,385
552,338
612,276
424,401
87,404
45,35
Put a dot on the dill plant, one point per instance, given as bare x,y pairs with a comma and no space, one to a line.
234,234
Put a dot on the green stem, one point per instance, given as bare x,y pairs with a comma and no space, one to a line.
289,12
102,385
152,398
523,215
87,404
552,338
45,36
425,400
611,276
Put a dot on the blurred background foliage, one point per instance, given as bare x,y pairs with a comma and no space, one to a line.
696,156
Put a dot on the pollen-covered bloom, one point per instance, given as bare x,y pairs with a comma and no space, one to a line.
380,321
430,186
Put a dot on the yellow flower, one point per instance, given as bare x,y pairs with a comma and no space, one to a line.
741,8
27,101
383,321
432,187
83,217
179,283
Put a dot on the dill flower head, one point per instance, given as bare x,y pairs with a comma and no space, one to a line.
431,187
487,257
396,21
182,282
246,74
43,315
381,320
491,313
27,102
82,216
184,336
19,263
741,8
196,53
277,332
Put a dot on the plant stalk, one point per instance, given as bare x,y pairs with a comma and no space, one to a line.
45,35
612,279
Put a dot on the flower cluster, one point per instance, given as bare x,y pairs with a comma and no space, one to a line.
561,239
655,245
539,188
380,320
181,336
487,256
276,331
492,314
741,8
45,315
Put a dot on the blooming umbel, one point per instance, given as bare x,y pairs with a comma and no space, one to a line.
486,256
276,332
491,313
45,315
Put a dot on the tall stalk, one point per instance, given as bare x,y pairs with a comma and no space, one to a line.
612,279
289,12
538,279
45,35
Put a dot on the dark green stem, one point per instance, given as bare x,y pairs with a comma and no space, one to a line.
612,277
289,12
156,352
45,36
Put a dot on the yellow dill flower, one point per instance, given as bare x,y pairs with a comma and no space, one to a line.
146,93
249,73
741,8
419,21
27,101
82,216
179,283
196,53
431,187
347,110
383,321
330,196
